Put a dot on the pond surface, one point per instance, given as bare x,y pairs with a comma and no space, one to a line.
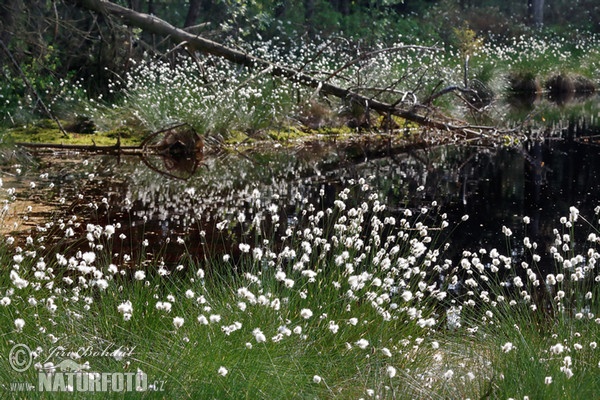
495,186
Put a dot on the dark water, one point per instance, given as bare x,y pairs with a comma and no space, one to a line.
496,186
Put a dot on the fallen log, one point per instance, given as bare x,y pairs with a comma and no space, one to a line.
422,114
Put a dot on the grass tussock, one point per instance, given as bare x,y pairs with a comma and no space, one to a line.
349,300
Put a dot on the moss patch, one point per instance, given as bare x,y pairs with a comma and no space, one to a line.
47,131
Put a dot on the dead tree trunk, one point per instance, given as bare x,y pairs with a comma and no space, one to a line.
157,26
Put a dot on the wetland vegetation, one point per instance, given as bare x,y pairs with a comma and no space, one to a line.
305,246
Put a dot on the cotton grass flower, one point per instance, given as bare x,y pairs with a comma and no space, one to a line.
139,275
306,313
557,348
178,322
448,375
391,371
126,309
317,379
507,347
259,336
19,324
163,306
222,371
333,327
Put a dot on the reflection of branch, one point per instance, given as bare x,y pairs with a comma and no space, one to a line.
166,173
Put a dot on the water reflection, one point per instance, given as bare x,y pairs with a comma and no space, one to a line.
495,186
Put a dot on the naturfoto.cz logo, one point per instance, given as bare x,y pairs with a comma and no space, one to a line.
70,376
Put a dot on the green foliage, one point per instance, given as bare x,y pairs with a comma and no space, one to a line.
467,41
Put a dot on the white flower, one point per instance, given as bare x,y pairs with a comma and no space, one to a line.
557,348
567,371
362,343
178,322
259,336
19,324
102,284
548,380
333,327
407,295
139,275
19,282
222,371
508,346
241,217
89,257
317,379
109,230
126,309
391,371
202,319
448,374
306,313
573,214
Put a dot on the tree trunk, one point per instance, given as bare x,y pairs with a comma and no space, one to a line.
157,26
193,13
309,13
535,12
8,15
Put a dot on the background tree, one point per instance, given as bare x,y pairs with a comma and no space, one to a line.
535,12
